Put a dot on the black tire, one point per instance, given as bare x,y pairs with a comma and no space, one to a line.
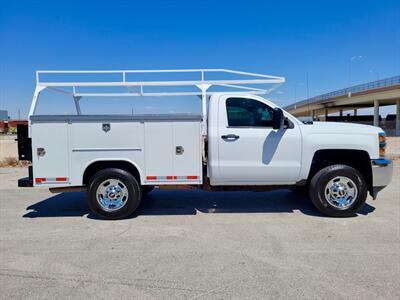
133,198
147,189
319,183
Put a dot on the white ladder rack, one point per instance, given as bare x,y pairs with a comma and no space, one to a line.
244,85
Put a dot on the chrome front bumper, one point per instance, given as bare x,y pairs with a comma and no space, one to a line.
382,171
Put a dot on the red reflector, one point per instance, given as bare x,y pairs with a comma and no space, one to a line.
61,178
171,177
192,177
151,177
40,180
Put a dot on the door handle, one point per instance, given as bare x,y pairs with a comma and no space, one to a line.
230,137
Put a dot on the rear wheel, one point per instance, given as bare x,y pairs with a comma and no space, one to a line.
113,193
338,191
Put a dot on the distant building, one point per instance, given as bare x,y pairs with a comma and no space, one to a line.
6,126
3,115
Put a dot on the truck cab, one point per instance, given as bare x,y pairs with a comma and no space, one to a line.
239,141
248,145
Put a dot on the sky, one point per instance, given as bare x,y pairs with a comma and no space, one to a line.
304,41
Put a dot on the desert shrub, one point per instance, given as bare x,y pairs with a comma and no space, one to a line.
13,162
13,130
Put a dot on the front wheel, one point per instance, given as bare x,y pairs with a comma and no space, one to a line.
338,191
113,194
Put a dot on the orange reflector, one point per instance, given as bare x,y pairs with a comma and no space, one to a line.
192,177
382,152
151,177
61,178
171,177
382,138
40,180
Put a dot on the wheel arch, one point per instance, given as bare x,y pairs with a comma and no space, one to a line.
357,159
94,166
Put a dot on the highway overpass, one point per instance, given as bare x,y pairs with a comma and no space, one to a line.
372,94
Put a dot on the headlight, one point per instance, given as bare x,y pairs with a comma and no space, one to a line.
382,144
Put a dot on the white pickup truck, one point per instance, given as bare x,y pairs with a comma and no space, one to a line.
240,141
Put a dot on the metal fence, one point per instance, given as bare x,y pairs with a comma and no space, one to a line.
387,82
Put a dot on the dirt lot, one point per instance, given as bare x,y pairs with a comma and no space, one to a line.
393,147
196,245
8,146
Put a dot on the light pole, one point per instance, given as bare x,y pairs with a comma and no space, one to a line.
350,61
308,97
376,73
295,91
308,90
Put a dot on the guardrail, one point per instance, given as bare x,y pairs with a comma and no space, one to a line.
373,85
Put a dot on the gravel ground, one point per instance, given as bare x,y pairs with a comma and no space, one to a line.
196,245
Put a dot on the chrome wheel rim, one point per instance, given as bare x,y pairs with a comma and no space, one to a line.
112,194
341,192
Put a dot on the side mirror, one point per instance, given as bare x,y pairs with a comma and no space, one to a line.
288,124
278,119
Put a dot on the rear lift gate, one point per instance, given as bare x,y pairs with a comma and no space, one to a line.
25,153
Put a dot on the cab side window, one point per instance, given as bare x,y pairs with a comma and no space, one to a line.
245,112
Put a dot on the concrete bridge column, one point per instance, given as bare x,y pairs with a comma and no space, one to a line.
376,113
398,117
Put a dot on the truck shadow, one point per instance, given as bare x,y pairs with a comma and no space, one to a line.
188,202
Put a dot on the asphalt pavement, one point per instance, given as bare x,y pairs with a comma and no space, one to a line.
196,245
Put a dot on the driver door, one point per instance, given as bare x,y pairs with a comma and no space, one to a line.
250,151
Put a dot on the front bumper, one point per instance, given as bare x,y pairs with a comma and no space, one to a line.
382,171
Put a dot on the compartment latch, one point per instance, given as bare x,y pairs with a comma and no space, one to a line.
40,151
179,150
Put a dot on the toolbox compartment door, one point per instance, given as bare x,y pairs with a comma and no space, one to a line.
172,152
186,136
50,154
